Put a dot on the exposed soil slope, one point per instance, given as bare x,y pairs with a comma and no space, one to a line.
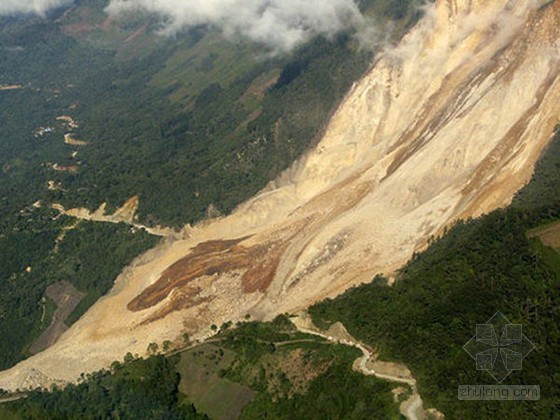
447,125
66,298
125,214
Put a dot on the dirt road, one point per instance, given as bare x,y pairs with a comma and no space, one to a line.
412,408
123,215
421,141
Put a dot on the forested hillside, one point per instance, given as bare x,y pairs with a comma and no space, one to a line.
495,263
94,110
505,261
184,123
257,370
502,261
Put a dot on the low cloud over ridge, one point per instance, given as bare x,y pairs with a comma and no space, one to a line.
39,7
279,24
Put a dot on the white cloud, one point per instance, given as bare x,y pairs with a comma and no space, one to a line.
39,7
279,24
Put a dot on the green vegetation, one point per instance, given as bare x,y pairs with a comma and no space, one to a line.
184,123
139,389
302,376
168,122
543,188
93,255
338,393
8,414
286,374
217,147
256,370
90,256
477,268
203,382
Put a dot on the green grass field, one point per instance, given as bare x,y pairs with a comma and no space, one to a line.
202,383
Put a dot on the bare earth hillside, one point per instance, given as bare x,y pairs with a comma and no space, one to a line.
447,125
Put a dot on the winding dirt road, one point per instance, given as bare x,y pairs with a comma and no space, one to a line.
412,408
421,141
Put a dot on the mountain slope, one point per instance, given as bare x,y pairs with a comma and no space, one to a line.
502,261
422,140
424,320
94,111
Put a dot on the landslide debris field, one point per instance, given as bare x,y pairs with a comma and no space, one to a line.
420,142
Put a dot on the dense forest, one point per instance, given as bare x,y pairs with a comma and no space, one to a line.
36,255
182,137
139,389
96,111
495,263
256,370
184,123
